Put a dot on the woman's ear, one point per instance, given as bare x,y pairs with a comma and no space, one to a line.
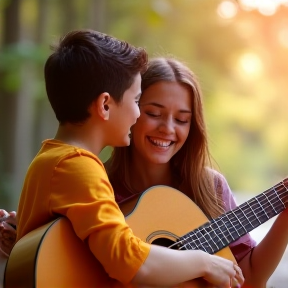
101,105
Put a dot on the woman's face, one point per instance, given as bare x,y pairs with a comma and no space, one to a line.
164,122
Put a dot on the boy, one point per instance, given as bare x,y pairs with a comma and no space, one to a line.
93,82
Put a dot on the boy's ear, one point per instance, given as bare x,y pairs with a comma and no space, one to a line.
101,105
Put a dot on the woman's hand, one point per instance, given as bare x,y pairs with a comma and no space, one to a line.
7,231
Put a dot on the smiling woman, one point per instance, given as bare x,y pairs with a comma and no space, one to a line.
171,116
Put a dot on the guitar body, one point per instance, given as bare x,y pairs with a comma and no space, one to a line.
162,214
53,256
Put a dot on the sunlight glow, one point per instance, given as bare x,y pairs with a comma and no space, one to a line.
265,7
250,64
227,9
162,7
283,37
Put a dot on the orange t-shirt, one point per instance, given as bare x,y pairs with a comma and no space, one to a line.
64,180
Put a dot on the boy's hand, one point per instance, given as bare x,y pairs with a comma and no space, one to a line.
224,273
7,231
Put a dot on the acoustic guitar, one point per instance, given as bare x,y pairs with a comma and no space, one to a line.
53,256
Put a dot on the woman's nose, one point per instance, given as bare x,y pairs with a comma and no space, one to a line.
167,126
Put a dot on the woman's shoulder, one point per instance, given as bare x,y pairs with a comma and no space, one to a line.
222,188
218,178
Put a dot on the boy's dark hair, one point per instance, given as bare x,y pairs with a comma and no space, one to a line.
85,64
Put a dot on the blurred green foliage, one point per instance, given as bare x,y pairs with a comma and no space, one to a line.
13,57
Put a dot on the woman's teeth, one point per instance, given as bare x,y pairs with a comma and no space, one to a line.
160,143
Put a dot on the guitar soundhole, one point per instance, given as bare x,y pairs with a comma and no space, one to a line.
165,242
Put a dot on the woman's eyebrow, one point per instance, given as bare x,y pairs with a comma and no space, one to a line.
185,111
162,106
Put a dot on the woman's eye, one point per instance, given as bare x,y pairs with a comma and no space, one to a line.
182,121
137,102
152,115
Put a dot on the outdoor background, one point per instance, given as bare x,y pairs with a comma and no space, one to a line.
238,49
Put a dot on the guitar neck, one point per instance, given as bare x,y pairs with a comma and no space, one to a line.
227,228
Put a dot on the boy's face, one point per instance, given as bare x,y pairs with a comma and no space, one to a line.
125,114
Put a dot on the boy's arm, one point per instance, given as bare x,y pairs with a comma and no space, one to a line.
168,267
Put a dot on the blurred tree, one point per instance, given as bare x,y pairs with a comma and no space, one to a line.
26,116
9,102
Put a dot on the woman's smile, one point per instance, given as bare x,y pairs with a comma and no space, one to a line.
160,142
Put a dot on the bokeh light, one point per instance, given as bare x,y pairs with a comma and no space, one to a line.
283,36
265,7
251,65
227,9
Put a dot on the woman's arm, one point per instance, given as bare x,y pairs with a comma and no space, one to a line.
260,263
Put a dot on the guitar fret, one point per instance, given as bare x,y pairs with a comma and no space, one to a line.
212,236
204,243
247,220
199,237
217,230
236,229
239,225
280,200
209,245
227,229
235,215
270,203
253,210
188,244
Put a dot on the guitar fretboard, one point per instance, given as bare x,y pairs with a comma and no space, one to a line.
227,228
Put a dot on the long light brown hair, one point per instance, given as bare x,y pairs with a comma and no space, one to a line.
192,163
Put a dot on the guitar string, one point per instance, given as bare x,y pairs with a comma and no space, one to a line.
232,227
202,230
213,231
208,233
